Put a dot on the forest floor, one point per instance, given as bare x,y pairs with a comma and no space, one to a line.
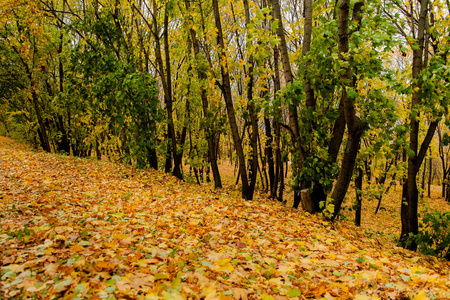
87,229
386,224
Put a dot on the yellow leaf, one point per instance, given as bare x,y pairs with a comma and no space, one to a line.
161,276
420,296
77,248
223,261
332,256
225,265
277,281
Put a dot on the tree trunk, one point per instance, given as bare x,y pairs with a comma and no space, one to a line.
43,131
247,193
409,204
210,132
64,144
318,193
424,172
358,190
297,155
354,124
281,188
443,162
269,155
278,174
430,173
169,99
263,168
251,110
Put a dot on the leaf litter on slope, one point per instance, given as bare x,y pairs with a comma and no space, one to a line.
84,229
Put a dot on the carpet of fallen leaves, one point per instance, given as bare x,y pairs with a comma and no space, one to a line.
86,229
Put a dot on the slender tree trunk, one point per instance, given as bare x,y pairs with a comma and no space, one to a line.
297,154
251,110
281,188
269,154
430,173
278,174
43,131
247,193
167,91
358,191
318,193
424,172
263,168
410,195
354,124
65,143
169,104
443,162
210,132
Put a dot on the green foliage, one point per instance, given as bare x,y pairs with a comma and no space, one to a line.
293,93
435,87
327,208
118,104
434,236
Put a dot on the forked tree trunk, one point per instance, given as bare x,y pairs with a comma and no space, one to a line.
410,195
354,124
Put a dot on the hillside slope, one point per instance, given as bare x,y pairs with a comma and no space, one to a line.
86,229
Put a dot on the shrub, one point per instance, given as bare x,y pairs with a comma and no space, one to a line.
434,234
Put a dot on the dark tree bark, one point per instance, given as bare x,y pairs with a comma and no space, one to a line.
410,195
64,144
444,162
43,129
251,111
247,192
210,132
298,153
165,75
34,100
382,179
338,134
269,155
279,174
430,173
358,191
354,124
278,181
424,172
169,99
306,46
318,194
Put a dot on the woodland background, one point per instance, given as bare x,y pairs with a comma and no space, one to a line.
305,96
